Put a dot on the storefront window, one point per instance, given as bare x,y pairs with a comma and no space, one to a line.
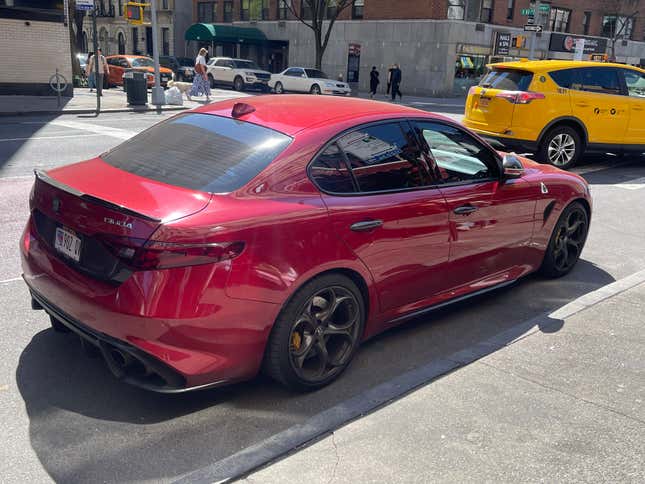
469,68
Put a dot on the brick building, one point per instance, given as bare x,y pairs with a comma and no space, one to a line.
34,42
117,36
442,45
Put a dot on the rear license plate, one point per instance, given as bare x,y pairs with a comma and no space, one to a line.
483,102
67,243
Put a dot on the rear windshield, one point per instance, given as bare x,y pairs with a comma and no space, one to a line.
507,79
200,152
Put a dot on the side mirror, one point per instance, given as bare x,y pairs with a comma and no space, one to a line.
512,167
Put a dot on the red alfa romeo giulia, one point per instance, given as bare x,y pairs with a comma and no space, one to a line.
279,233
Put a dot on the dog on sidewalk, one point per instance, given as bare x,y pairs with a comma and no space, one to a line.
184,87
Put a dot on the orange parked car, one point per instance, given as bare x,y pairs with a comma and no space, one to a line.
119,64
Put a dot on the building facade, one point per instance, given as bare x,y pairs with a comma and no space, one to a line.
441,45
117,36
34,43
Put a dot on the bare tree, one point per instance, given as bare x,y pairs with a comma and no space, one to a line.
622,17
318,14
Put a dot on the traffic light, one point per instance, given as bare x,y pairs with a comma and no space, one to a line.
519,41
134,12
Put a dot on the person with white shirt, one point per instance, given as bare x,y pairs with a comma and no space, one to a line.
104,69
200,81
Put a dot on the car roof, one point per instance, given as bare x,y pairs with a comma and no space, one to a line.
541,65
291,113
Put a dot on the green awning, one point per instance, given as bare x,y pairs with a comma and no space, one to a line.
225,33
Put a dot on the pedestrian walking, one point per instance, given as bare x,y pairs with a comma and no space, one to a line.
374,81
396,82
389,78
200,81
104,70
91,79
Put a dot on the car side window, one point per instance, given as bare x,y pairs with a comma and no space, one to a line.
293,72
563,77
602,80
635,82
385,157
329,171
458,156
222,63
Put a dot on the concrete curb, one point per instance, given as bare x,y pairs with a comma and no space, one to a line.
92,111
292,439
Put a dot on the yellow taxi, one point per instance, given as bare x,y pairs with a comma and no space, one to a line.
559,109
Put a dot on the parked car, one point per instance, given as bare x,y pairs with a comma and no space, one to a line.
241,74
182,67
282,234
304,79
560,109
120,64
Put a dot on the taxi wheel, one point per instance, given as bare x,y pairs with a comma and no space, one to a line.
561,147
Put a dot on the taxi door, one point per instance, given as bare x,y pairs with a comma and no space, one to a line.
635,83
597,99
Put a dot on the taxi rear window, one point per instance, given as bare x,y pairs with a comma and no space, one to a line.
507,79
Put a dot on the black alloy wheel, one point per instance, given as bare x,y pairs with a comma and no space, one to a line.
567,240
317,334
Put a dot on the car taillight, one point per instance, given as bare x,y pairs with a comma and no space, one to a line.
139,254
520,97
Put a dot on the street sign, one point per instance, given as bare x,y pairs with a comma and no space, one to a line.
532,28
530,20
502,43
84,4
528,12
544,8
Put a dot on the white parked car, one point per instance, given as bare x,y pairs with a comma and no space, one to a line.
303,79
241,74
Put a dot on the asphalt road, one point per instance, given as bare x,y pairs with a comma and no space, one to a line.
65,418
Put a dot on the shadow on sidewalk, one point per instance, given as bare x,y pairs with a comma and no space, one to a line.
85,426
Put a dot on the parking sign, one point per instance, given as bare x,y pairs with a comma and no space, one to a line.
84,4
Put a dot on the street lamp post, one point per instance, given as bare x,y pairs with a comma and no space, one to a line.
158,97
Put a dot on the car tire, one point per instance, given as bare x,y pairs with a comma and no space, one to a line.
238,84
58,326
561,147
315,89
308,347
211,80
567,241
278,88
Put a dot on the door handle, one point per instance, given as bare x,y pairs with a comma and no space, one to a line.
582,105
635,108
366,225
464,210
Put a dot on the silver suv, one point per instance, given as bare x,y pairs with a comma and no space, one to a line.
241,74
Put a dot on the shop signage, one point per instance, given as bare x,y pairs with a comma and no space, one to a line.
567,43
84,4
502,43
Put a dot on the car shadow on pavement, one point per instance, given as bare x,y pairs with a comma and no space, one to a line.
626,170
86,426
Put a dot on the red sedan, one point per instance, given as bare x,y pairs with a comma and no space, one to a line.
280,233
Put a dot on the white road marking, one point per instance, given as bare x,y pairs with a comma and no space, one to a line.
37,138
13,279
95,128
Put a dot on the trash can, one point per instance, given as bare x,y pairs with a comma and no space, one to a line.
136,86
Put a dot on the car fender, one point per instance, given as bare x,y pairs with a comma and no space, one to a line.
570,119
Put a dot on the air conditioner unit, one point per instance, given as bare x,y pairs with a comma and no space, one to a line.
282,24
480,27
624,43
253,22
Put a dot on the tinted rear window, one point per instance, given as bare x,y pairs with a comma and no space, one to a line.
507,79
200,152
563,78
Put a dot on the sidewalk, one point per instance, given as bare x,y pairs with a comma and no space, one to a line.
113,100
560,404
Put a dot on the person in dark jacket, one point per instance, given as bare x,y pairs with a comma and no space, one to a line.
396,82
374,81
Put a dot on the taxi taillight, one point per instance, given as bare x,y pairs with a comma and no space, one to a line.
519,97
